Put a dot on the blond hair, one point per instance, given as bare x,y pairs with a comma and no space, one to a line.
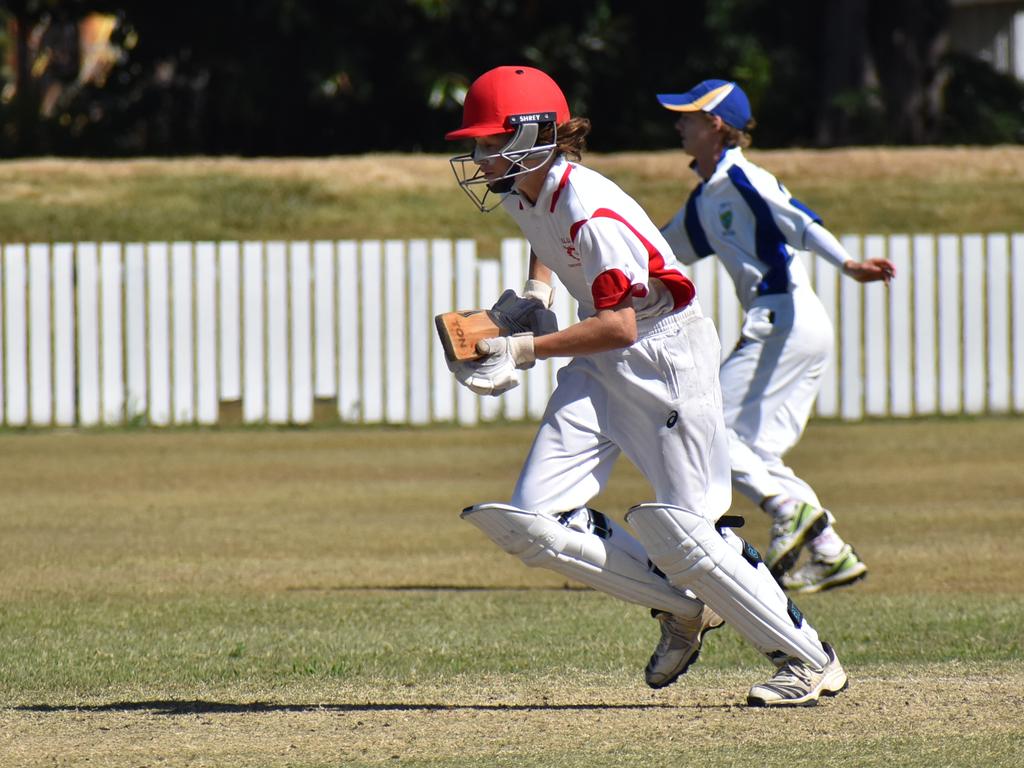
734,137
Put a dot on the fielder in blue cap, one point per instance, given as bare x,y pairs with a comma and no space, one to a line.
744,215
715,97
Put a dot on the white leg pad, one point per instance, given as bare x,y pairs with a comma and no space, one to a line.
693,555
610,562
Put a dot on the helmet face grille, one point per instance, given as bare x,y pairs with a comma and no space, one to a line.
523,154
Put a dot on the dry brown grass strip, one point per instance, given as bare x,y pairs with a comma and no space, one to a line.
492,720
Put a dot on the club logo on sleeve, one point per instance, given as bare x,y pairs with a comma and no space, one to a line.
725,218
570,251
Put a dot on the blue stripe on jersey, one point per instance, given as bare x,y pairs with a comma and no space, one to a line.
698,239
768,240
806,209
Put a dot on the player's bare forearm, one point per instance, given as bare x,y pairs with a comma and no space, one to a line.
538,271
870,271
609,329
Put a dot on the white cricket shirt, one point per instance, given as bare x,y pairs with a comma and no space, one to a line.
599,241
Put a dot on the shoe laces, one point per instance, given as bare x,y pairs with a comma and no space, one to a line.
792,672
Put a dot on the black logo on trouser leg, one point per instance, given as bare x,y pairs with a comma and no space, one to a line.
795,613
672,419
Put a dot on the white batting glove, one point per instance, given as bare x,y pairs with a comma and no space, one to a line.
492,375
517,348
539,291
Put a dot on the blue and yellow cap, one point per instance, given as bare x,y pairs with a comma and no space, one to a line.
716,97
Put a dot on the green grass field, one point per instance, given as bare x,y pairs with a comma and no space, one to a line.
310,598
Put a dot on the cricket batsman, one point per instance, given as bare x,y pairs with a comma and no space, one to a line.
642,381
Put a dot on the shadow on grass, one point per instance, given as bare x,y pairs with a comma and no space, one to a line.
198,707
438,588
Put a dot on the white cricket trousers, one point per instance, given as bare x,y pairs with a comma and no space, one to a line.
658,401
769,384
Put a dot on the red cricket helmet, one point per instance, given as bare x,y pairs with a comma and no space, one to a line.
503,97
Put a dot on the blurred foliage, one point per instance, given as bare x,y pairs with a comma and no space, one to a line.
982,105
311,77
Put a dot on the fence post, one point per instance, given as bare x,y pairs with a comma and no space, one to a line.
277,360
875,336
850,344
64,370
16,327
371,314
974,323
325,382
253,391
421,332
926,385
136,395
349,392
181,322
1017,321
230,291
900,363
949,324
826,283
301,318
87,283
39,329
112,334
206,333
998,321
396,342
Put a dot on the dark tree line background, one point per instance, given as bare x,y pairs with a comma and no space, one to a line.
314,77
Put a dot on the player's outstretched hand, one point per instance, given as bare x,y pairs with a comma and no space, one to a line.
871,270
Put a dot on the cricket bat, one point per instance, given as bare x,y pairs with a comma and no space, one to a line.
460,331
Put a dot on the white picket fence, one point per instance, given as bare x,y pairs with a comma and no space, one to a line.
166,333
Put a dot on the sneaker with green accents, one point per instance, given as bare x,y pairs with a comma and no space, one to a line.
820,574
789,534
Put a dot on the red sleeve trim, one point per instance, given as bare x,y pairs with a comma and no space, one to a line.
610,288
676,282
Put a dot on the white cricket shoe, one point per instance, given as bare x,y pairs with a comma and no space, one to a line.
679,646
798,684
